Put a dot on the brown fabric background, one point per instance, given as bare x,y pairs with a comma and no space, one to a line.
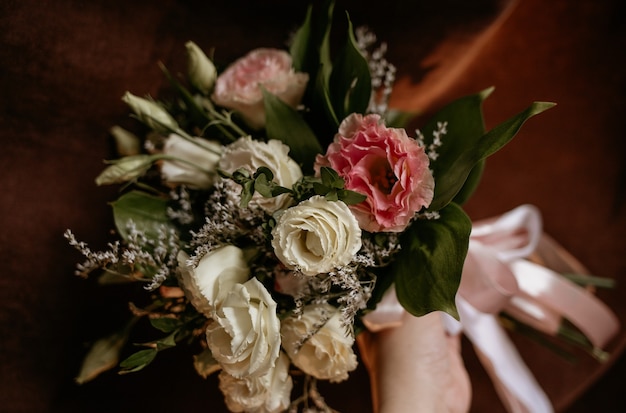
65,64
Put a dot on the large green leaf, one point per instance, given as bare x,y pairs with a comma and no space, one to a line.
471,183
350,81
466,145
427,270
305,48
499,136
465,127
323,102
321,116
146,212
300,48
285,124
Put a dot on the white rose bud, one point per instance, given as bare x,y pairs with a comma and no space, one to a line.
126,143
200,69
327,354
270,393
213,277
125,169
151,113
244,335
252,154
195,163
316,236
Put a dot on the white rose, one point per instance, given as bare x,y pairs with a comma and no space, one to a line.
316,236
270,393
216,273
194,164
327,354
239,86
252,154
244,335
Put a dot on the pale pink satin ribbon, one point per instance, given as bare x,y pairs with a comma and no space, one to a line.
497,276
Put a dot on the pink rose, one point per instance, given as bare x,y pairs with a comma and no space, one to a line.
384,164
238,87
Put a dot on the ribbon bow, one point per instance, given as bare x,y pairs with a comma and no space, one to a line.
498,276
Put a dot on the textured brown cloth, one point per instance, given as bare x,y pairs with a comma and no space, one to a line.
65,64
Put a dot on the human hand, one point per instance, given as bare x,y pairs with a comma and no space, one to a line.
416,367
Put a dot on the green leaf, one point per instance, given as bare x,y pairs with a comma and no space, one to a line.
350,82
264,170
466,144
320,189
147,212
307,42
263,186
247,191
241,176
499,136
322,99
351,197
167,341
285,124
321,117
166,324
465,127
331,178
138,360
325,62
428,268
279,190
300,49
103,355
471,183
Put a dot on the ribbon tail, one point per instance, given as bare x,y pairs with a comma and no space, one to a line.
578,305
514,382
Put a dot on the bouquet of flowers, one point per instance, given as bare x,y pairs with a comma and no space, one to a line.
274,201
